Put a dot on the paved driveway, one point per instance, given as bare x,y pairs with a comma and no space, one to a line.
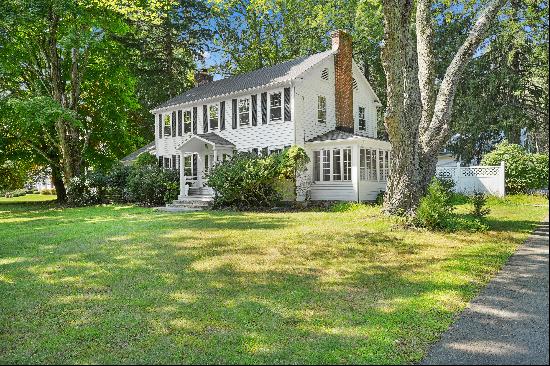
508,322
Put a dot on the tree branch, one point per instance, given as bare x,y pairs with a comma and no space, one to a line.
426,63
436,133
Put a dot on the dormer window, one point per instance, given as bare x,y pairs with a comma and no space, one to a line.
167,126
275,106
244,111
213,116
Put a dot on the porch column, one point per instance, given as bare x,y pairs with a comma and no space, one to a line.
183,191
215,156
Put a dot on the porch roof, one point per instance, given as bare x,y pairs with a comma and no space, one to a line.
211,138
338,135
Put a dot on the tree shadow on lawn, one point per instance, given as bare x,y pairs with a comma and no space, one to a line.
155,290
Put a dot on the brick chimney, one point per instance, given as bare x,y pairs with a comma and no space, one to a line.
202,77
343,84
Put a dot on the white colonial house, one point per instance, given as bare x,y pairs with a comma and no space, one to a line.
321,102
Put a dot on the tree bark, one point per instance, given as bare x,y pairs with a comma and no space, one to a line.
417,118
57,180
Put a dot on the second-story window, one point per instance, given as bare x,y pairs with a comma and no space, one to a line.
275,106
167,126
362,121
321,109
187,121
244,111
214,116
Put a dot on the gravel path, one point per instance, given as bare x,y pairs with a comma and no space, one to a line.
507,323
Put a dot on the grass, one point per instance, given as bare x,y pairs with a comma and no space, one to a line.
122,284
28,198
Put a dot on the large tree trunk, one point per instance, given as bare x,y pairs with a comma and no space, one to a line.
57,180
68,135
417,117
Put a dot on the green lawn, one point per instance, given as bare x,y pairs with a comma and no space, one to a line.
28,198
121,284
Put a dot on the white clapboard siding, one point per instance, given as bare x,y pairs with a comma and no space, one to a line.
368,190
333,191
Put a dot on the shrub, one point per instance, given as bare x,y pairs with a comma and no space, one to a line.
117,184
87,189
15,193
379,200
146,159
151,185
479,201
250,181
436,209
524,171
48,191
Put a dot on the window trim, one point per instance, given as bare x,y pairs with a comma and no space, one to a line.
249,99
319,110
217,105
185,111
281,106
359,119
167,123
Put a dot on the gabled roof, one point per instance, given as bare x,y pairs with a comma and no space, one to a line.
150,148
276,74
210,137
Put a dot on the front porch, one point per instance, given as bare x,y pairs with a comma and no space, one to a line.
197,156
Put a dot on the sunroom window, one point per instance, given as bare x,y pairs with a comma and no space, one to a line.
275,106
337,168
367,164
244,111
213,116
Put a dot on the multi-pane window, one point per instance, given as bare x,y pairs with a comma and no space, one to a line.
337,168
321,109
316,166
213,116
244,111
275,106
167,125
188,165
347,163
385,166
362,121
367,164
187,121
336,165
167,163
326,165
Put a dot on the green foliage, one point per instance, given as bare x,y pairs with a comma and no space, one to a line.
248,180
479,201
151,185
435,210
146,159
117,183
87,189
15,193
379,200
523,171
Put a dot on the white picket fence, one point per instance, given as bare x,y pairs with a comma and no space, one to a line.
486,179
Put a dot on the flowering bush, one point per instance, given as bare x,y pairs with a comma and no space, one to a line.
87,189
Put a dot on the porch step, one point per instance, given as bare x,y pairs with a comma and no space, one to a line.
199,191
193,202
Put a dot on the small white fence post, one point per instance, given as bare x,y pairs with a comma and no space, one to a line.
457,176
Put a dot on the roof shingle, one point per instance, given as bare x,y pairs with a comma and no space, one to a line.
279,73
